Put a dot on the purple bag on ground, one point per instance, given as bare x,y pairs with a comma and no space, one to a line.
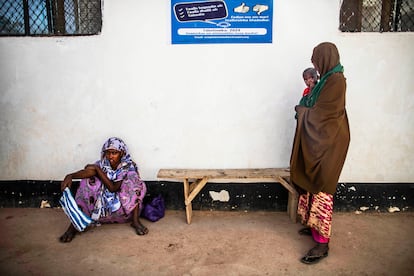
154,209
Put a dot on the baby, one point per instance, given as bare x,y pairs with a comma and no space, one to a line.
310,77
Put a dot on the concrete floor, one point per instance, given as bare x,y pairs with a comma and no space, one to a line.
216,243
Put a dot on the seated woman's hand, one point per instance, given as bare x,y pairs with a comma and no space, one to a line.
67,182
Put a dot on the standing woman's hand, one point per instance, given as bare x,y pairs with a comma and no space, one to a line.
299,108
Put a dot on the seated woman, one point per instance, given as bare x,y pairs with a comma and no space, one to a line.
111,190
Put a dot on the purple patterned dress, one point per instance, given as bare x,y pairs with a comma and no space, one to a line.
93,197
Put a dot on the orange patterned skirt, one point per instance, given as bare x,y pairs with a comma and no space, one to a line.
315,211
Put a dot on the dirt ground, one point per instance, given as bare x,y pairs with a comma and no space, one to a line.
216,243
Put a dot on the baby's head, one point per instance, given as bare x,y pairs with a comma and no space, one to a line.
310,77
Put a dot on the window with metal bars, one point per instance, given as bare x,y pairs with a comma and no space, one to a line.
50,17
377,16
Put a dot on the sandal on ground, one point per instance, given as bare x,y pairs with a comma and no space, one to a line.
316,254
305,231
308,259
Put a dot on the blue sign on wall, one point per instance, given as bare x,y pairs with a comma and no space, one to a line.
225,21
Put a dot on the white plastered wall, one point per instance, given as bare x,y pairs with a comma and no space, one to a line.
198,106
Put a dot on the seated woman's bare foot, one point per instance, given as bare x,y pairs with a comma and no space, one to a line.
140,229
69,234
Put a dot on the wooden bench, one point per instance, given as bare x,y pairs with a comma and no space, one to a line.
195,179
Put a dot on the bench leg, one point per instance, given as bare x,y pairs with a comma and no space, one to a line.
190,192
292,207
188,206
293,199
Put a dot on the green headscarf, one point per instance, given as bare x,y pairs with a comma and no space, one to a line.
310,100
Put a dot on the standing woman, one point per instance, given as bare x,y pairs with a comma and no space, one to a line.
319,149
110,191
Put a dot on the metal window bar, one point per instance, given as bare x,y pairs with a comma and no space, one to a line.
377,16
50,17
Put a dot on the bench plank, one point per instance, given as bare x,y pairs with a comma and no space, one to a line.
267,173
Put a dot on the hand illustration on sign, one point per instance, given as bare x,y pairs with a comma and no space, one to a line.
260,8
242,8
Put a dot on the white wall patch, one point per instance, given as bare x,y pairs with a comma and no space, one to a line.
222,196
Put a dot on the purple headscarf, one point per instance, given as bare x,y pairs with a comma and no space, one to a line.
126,163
